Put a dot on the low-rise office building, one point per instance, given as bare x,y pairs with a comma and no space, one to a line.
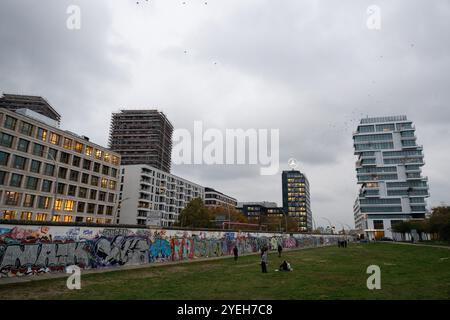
150,196
254,211
48,174
214,198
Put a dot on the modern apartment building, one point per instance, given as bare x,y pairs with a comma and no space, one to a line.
34,103
142,137
296,198
214,198
48,174
149,196
388,169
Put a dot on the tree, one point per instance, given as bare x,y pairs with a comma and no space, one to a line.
195,215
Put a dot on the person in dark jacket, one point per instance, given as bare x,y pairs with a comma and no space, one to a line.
280,249
236,253
264,261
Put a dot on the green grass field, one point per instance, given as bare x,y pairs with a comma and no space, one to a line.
407,272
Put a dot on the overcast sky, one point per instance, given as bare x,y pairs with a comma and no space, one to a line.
308,68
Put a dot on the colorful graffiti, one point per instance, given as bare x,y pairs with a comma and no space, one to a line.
28,250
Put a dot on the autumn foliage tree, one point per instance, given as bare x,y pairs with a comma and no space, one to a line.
195,215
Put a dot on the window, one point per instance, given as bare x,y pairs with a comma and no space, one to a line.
81,206
76,161
91,208
41,134
26,216
74,175
87,164
56,218
102,196
28,201
78,219
23,145
105,170
12,198
38,149
104,183
26,128
54,138
68,205
82,192
78,147
6,140
85,178
64,157
109,210
2,178
52,154
35,166
100,209
94,181
46,185
19,162
49,169
88,151
112,185
107,157
68,218
10,123
31,183
41,217
113,172
96,167
4,158
61,188
111,197
98,154
93,194
58,204
378,224
72,191
43,202
62,173
67,143
9,215
115,160
16,180
89,220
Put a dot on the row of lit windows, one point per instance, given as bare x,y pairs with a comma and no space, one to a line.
51,154
14,198
58,140
29,216
32,183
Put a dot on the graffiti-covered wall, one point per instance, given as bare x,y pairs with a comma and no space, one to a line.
27,250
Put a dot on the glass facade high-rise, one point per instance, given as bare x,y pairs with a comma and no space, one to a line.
392,188
296,198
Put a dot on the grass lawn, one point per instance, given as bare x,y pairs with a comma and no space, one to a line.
407,272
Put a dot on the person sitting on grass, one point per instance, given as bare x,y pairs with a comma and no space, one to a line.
285,266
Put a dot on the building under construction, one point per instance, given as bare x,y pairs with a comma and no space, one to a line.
142,137
37,104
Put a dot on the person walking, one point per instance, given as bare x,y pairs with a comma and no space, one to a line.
280,249
264,261
235,252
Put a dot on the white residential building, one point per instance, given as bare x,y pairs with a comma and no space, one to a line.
392,188
149,196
